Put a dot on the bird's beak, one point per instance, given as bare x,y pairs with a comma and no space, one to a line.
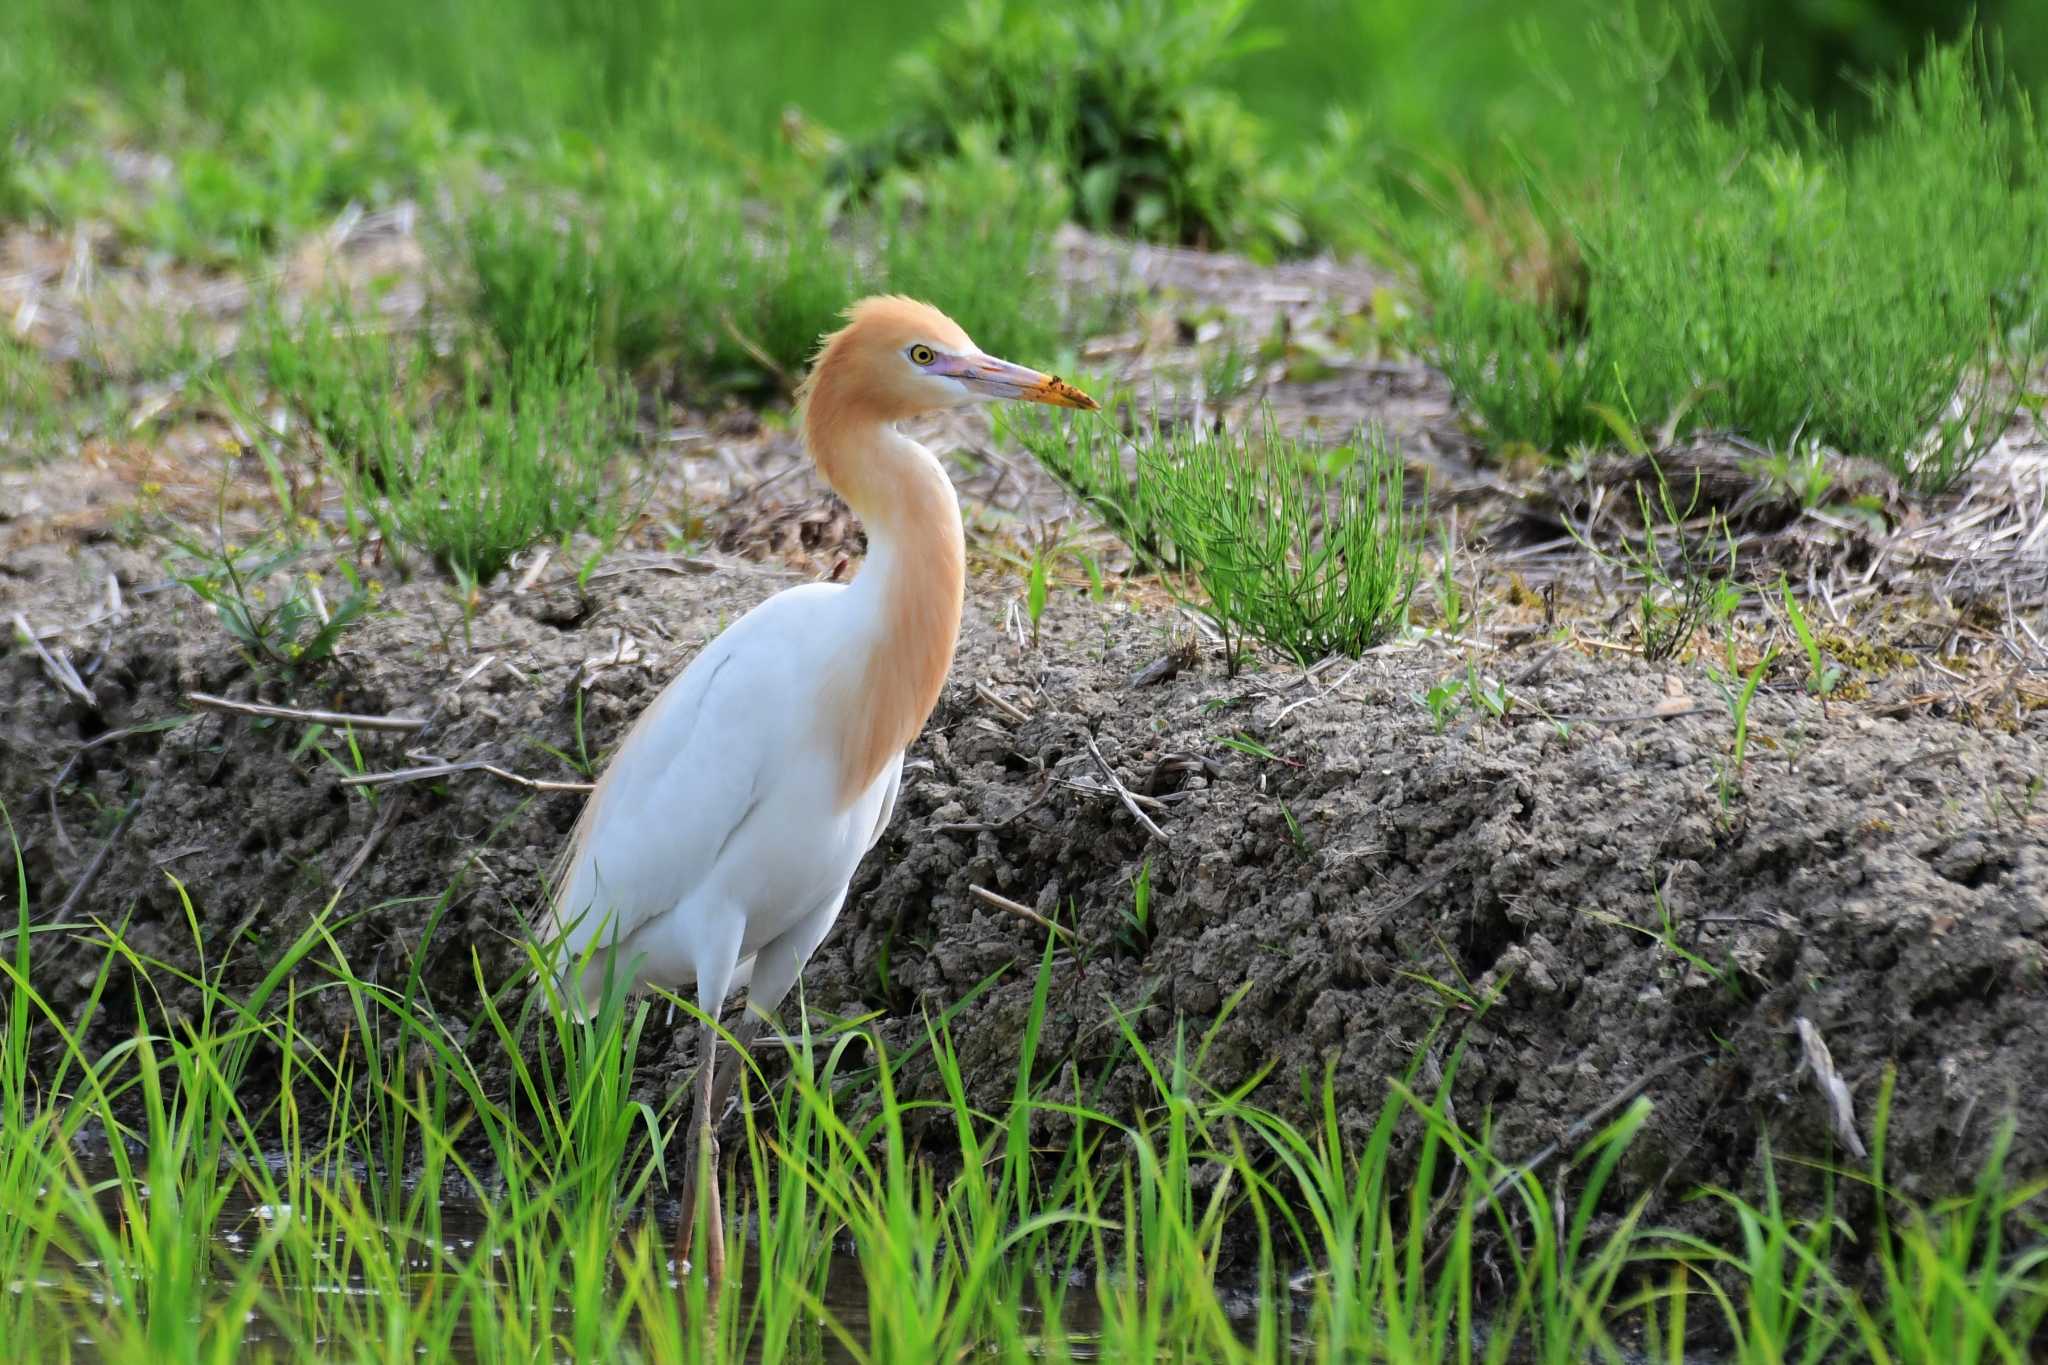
990,378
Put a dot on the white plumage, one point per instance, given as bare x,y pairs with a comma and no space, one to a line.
689,863
721,839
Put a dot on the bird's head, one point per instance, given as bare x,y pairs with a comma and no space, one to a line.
897,358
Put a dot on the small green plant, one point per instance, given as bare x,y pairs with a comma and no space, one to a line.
1821,676
1098,464
582,762
31,401
1738,690
1124,96
1311,553
276,613
1443,700
1686,562
1049,547
1803,472
1135,933
1035,590
1457,617
1467,687
1295,836
1252,748
1666,933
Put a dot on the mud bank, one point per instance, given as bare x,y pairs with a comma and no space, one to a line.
1359,873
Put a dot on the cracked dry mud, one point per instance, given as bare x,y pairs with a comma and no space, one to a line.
1886,879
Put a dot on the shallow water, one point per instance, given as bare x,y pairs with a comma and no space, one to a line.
243,1221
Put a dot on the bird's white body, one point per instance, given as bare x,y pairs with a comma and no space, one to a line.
689,864
721,840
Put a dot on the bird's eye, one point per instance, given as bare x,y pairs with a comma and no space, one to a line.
922,355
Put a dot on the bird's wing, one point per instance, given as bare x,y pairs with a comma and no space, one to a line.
888,804
687,776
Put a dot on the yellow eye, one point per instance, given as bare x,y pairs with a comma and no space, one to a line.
922,355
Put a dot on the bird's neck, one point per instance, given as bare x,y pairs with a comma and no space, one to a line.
905,599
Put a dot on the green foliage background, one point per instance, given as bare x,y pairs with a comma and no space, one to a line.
723,71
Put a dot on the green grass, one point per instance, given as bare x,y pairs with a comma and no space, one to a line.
266,1198
658,277
1126,96
1308,551
1175,126
1753,272
521,457
466,458
32,408
225,193
693,286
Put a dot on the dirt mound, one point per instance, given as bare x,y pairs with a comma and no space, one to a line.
1325,847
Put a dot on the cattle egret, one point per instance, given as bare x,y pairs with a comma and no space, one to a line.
717,847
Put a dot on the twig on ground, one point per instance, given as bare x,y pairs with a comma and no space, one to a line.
474,765
987,692
1316,691
1535,667
1146,800
1904,765
1671,708
975,826
1549,1152
682,566
57,665
207,702
371,843
1124,793
110,737
1587,1121
1024,912
83,886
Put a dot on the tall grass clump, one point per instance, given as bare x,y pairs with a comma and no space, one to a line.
687,280
521,456
1098,464
287,167
468,457
1309,551
1127,97
32,402
1753,271
652,274
972,234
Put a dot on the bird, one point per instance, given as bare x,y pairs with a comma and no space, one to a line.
717,846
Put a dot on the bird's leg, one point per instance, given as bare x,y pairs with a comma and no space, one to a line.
703,1176
729,1069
